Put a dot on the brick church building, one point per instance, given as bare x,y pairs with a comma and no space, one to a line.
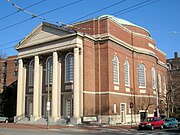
92,71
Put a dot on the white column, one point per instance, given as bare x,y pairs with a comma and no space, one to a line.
40,87
55,86
81,80
59,88
36,98
76,84
20,90
24,88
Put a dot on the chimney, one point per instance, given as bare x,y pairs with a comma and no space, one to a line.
176,55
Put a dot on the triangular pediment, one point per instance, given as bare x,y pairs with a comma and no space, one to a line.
43,33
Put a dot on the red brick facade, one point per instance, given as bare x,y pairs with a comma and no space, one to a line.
100,40
98,66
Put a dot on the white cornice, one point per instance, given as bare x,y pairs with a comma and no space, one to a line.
118,93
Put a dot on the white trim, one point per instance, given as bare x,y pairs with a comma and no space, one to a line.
116,93
142,91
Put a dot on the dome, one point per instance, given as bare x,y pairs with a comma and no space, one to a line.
120,21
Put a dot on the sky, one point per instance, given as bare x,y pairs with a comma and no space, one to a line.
160,17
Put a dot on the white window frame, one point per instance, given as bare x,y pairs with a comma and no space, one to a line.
51,70
143,76
115,108
72,78
153,71
126,76
31,73
115,73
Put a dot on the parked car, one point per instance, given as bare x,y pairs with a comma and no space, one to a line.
151,123
178,119
170,123
3,118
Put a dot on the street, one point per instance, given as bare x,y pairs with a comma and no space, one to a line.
75,131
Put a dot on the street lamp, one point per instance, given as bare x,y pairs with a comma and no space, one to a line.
48,97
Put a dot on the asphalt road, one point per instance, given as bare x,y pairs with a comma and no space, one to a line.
72,131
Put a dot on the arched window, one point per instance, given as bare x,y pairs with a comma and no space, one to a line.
49,66
164,86
126,73
116,69
69,68
153,78
141,76
159,83
31,73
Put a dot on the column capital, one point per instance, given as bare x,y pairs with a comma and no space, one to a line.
76,50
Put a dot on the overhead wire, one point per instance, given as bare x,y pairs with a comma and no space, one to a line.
99,10
134,7
37,16
20,10
174,32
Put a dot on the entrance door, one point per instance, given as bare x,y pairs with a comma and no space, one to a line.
143,116
30,107
122,113
68,104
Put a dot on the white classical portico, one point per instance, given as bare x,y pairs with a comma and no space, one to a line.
56,46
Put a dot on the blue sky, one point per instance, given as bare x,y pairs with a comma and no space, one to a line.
161,18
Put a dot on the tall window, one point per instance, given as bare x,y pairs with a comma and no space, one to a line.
126,73
141,76
31,73
116,69
49,62
159,83
69,67
153,78
164,83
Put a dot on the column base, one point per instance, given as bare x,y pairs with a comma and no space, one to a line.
75,121
18,118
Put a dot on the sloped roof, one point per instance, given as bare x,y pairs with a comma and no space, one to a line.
121,21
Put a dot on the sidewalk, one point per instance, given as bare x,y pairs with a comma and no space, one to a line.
68,127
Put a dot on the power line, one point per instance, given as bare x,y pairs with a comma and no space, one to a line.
10,42
137,7
37,16
97,11
61,7
20,10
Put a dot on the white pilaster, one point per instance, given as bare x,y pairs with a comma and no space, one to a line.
59,88
76,84
36,98
55,86
81,81
20,90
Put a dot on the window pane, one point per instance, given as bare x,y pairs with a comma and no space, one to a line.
69,67
31,73
116,69
126,73
141,76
